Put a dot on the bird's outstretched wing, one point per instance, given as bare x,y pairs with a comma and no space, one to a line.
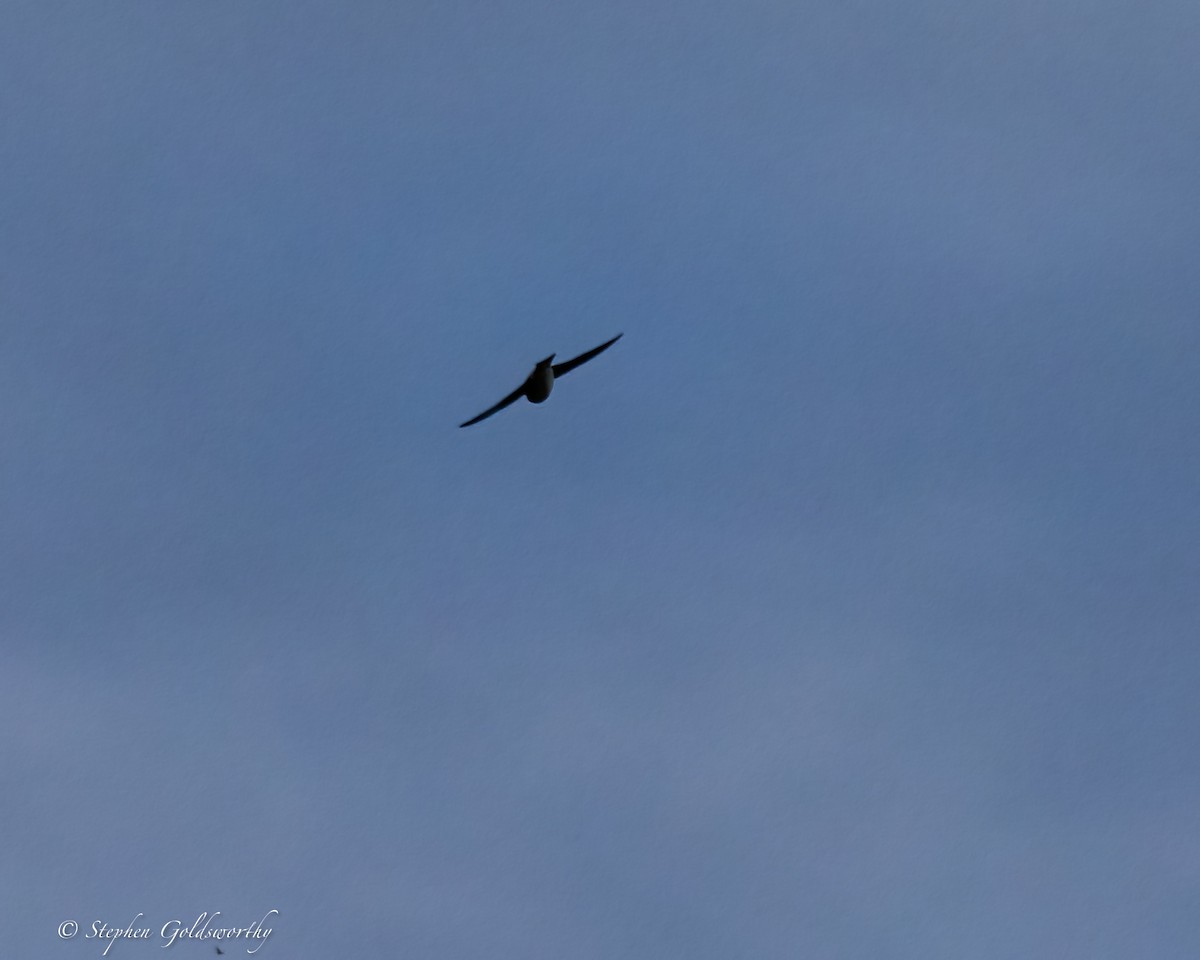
515,395
568,365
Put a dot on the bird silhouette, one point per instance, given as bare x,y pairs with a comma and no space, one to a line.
540,382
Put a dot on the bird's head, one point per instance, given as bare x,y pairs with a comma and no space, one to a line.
547,361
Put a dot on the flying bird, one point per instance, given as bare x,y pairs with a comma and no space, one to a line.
540,382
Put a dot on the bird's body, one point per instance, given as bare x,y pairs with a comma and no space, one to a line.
540,382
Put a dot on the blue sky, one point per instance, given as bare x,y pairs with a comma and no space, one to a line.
846,608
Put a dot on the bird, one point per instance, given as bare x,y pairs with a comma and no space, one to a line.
540,382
